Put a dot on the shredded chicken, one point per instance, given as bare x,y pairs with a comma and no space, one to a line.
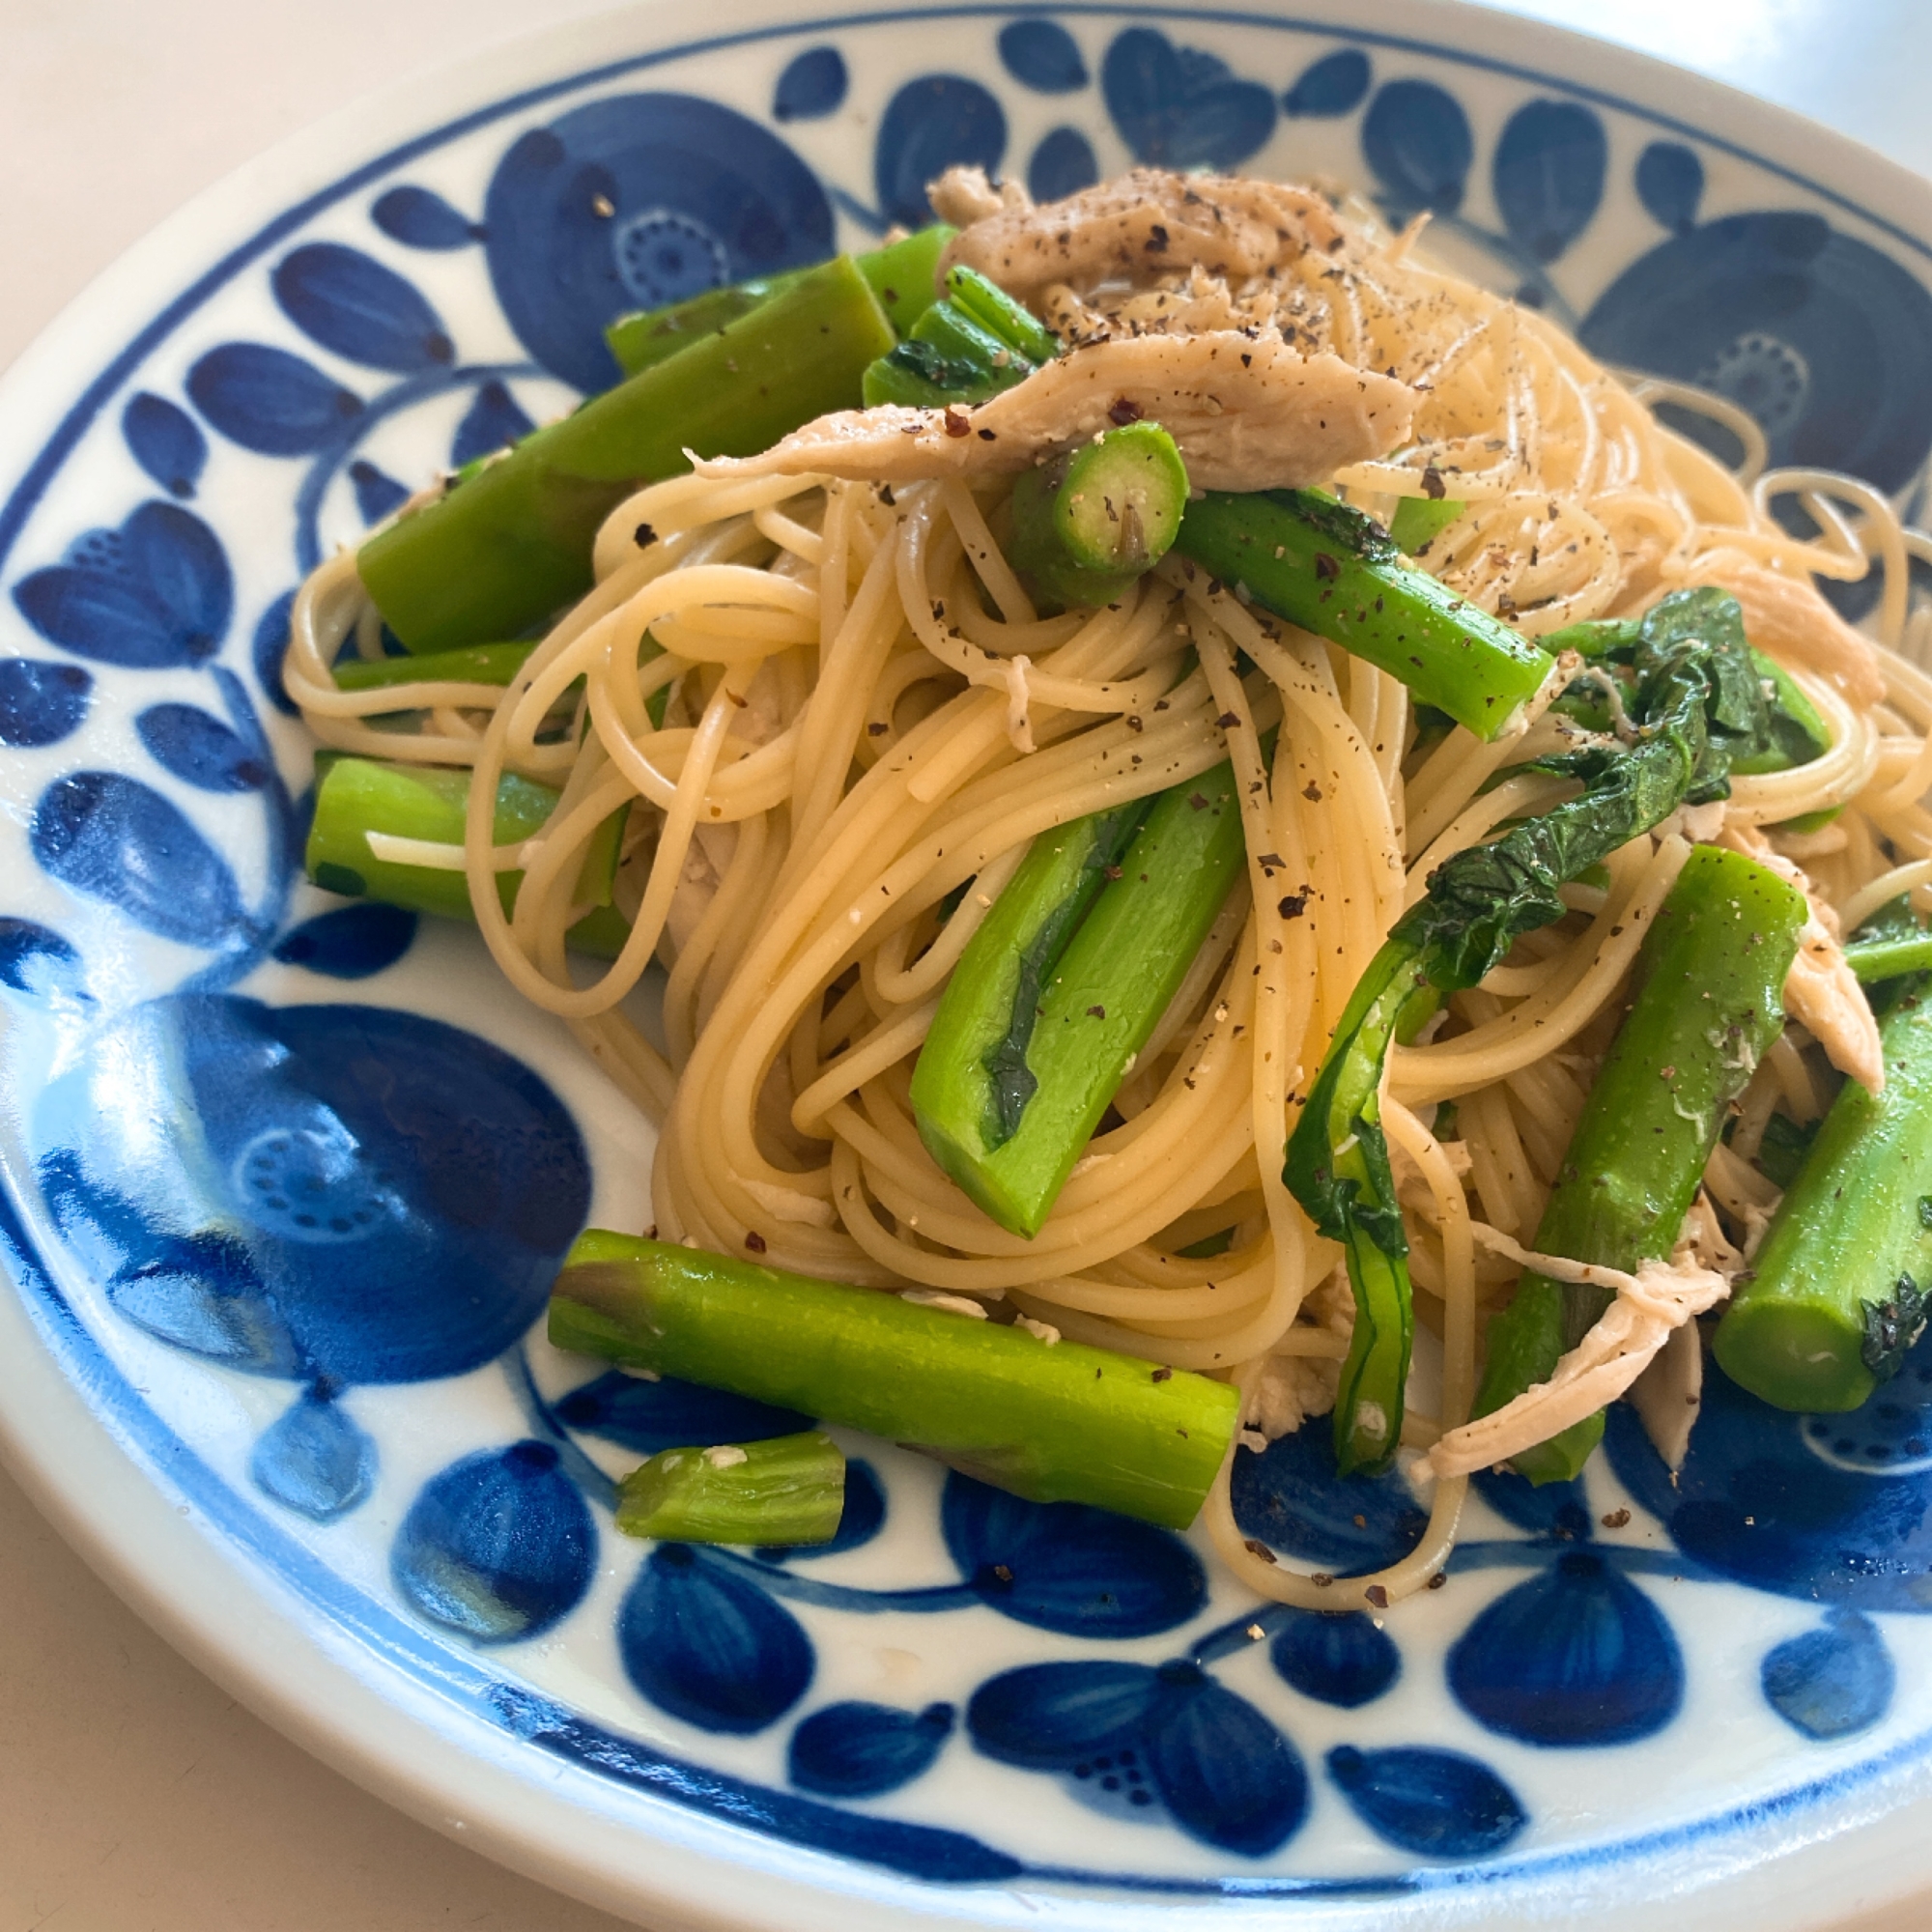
1291,1389
1787,618
1821,991
1144,224
1660,1296
1669,1394
1248,413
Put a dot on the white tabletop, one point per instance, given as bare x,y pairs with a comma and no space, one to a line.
134,1796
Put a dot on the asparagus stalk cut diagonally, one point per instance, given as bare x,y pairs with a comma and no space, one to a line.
1090,523
1838,1294
787,1489
1696,700
1007,1098
508,546
903,274
359,796
1707,1004
1060,1423
1338,572
971,344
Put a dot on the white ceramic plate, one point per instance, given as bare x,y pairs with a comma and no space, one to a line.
283,1181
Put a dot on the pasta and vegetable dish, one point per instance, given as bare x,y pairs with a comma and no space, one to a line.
1203,792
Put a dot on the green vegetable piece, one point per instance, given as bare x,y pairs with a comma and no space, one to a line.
477,664
1097,1008
1798,734
971,345
1418,521
1781,1153
1833,1300
499,552
1597,638
1695,698
999,315
1708,1002
1091,521
1063,1423
903,276
1337,573
971,1082
790,1490
357,796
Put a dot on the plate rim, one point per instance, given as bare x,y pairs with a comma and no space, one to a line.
339,1715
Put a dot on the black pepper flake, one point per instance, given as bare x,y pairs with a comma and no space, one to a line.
1259,1550
1378,1596
1162,1376
1157,242
1002,1573
989,436
1198,803
1136,723
878,727
1293,905
956,421
1227,721
1111,871
1125,410
1432,485
1320,1579
1271,862
1617,1519
1326,567
643,536
755,1241
1097,1012
1312,792
1436,1581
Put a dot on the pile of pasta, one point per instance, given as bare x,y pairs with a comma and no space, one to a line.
868,722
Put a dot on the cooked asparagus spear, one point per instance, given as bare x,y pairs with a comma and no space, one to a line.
359,796
1060,1423
1833,1300
789,1490
1708,1005
1091,521
1338,572
505,547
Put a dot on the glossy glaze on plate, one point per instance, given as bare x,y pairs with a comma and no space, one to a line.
288,1173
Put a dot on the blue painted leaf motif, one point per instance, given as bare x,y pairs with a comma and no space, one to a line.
1227,1774
648,1416
420,219
348,302
34,959
1331,86
1176,107
1063,164
111,838
1576,1657
268,648
400,1191
1561,1510
1834,1682
1068,1566
201,1293
492,422
1291,1498
1416,138
861,1750
1043,55
314,1460
40,703
707,1645
813,86
1549,175
1670,184
863,1517
377,493
1436,1803
633,201
270,401
498,1548
1053,1717
155,593
931,124
1336,1657
200,749
166,442
351,943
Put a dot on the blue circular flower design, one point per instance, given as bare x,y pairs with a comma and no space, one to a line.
633,202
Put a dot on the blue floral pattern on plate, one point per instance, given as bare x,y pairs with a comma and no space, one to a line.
363,1203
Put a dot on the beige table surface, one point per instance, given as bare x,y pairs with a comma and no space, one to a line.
134,1796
